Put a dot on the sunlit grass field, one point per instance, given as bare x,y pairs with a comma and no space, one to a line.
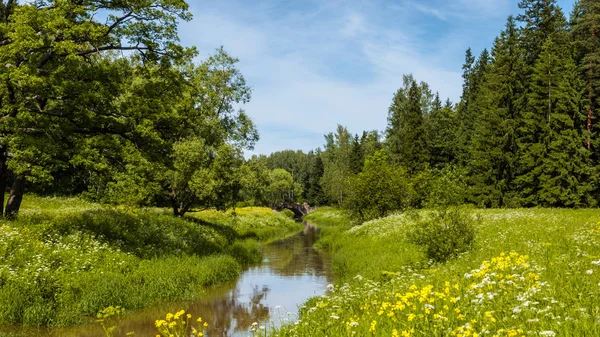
63,260
531,272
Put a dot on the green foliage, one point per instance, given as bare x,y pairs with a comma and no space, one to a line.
378,190
494,146
440,187
444,234
406,135
336,161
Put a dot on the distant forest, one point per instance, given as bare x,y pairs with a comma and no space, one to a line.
116,111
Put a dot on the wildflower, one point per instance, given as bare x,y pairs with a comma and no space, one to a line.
548,333
590,272
373,324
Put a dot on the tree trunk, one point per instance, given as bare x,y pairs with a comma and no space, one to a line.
174,204
16,196
3,172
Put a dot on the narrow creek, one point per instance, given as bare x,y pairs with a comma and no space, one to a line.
270,294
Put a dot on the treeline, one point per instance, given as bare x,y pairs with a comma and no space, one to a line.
99,99
525,132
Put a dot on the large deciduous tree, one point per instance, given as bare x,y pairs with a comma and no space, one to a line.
57,81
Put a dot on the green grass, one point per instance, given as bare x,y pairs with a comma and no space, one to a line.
532,272
63,260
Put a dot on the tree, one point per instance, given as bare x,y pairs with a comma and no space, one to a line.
494,146
559,172
315,193
442,129
191,124
336,160
282,187
58,81
356,156
541,19
468,110
586,33
379,189
400,118
255,180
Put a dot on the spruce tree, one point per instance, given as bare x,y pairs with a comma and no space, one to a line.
541,19
586,34
468,109
356,156
493,149
565,178
413,151
405,135
534,126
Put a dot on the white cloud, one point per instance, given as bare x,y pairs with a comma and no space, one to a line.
313,69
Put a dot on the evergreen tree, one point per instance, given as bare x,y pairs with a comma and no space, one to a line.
315,194
406,136
356,156
541,19
370,143
441,133
586,33
534,127
468,109
554,164
493,148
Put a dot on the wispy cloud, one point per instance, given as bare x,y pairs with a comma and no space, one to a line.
314,64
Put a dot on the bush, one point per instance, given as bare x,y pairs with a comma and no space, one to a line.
445,233
246,252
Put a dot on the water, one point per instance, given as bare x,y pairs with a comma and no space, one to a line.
270,294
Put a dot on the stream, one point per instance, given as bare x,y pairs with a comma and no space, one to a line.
270,294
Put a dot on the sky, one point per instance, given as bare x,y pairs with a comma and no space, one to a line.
314,64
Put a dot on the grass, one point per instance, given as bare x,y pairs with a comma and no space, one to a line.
532,272
64,260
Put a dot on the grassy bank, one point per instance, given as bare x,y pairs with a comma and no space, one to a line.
65,259
530,273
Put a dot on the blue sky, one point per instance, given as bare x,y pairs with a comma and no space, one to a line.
315,64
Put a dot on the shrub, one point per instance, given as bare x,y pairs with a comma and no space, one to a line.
444,233
246,252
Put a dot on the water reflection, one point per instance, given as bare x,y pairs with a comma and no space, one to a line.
291,272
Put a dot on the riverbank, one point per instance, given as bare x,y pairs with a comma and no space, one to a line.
531,272
64,260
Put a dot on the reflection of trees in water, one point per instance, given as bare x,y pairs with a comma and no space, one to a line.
224,313
295,256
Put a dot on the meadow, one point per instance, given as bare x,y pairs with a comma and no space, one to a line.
64,260
530,272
